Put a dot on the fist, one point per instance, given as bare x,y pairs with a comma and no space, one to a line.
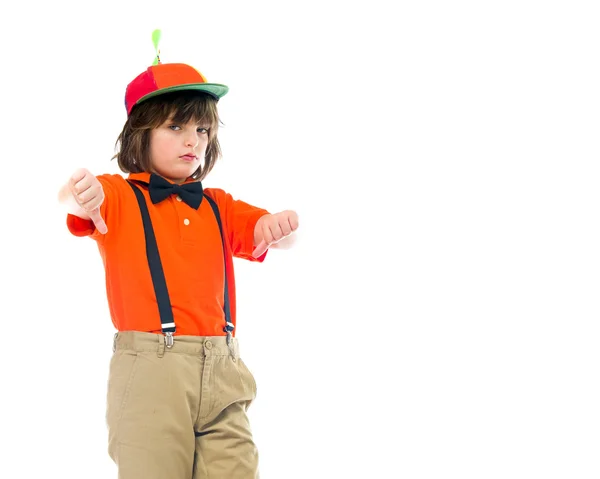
89,195
270,229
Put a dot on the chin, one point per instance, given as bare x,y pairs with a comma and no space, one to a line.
191,173
184,173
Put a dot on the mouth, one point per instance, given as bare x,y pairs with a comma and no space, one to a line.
189,158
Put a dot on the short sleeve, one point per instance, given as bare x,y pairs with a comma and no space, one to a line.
240,219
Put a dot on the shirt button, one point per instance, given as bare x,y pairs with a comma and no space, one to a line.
186,222
178,198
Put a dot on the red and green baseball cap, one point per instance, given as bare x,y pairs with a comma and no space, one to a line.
163,78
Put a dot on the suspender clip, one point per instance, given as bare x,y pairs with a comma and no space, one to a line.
169,340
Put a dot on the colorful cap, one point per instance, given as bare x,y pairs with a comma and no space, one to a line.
163,78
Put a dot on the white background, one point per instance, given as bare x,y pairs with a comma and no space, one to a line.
438,316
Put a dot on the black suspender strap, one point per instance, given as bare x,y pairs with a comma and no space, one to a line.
228,324
156,269
157,273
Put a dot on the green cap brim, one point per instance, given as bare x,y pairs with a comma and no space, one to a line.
214,89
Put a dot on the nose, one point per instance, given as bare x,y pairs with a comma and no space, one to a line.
191,138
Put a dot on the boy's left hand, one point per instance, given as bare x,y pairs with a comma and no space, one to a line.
271,229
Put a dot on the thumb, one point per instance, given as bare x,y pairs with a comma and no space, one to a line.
96,217
260,249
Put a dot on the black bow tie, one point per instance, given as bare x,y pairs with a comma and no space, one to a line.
160,189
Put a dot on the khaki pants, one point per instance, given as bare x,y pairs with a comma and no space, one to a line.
180,412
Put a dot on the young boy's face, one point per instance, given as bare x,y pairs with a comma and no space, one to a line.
177,150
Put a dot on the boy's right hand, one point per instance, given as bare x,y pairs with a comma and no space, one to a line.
89,195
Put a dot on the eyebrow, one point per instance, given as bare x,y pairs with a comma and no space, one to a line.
202,124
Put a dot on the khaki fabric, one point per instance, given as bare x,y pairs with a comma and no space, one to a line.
180,412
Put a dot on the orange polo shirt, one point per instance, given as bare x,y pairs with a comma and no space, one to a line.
191,252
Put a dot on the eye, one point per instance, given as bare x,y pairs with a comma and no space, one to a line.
175,127
202,130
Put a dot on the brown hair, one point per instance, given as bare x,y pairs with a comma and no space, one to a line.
133,144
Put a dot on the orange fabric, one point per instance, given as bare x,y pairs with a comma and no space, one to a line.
176,74
191,256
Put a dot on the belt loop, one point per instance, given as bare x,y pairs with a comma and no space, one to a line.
161,345
115,342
